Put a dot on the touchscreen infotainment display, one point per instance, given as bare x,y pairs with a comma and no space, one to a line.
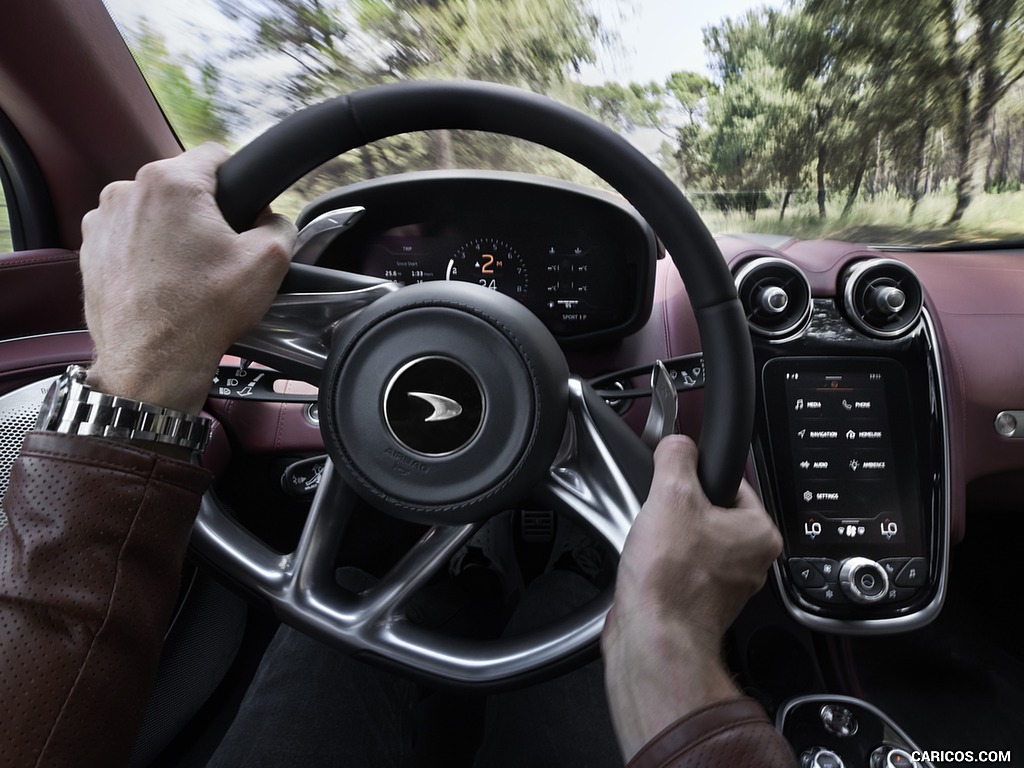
845,457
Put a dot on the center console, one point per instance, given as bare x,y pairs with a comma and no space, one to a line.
829,731
850,449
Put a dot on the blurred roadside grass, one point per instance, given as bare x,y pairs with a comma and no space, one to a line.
886,220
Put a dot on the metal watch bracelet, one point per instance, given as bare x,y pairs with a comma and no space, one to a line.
80,410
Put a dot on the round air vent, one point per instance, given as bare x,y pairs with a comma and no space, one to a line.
882,297
775,295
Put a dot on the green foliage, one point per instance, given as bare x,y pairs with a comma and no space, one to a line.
884,220
531,43
625,107
857,99
336,46
189,104
6,245
816,110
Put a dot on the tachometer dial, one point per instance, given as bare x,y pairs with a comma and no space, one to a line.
491,263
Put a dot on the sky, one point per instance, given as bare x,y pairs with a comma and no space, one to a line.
661,36
657,36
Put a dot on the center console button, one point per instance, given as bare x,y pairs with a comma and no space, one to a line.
838,720
805,574
826,567
819,757
893,565
914,573
892,757
830,594
900,594
864,581
869,583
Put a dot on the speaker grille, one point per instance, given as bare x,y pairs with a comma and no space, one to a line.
18,413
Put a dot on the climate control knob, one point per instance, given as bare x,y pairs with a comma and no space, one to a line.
864,581
820,757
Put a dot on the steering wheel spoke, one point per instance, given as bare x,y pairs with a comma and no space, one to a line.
274,575
586,479
429,555
295,335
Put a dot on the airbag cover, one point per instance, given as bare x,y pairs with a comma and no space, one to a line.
443,403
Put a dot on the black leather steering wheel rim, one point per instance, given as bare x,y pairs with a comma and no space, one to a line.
259,172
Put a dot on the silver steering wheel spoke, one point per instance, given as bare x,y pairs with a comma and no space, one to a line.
382,603
295,335
274,575
585,479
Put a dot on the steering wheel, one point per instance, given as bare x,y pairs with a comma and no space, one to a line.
523,424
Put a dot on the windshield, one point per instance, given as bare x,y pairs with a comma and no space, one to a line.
880,123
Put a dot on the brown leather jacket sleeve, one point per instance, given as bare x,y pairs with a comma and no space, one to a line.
89,569
732,732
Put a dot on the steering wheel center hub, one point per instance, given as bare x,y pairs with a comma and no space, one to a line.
444,403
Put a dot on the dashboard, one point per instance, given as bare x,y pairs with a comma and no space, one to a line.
850,446
875,410
580,260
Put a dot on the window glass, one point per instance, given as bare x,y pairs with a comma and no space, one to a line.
885,123
5,225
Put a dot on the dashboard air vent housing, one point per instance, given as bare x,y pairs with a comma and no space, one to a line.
775,295
882,297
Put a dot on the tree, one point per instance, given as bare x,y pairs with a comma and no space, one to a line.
190,105
984,42
891,56
338,46
689,92
625,107
532,43
759,118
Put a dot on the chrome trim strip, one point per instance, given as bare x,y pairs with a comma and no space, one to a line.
44,336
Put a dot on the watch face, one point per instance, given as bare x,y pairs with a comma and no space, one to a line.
56,399
49,414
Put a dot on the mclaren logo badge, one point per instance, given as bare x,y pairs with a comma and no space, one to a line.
444,407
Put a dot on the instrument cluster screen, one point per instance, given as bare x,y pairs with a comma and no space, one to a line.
845,455
581,260
574,284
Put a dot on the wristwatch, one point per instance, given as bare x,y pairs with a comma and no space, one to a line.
73,408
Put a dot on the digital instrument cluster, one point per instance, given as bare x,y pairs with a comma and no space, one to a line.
582,261
573,285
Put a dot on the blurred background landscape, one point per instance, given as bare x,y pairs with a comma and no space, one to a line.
878,122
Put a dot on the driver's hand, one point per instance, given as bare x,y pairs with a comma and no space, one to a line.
686,570
169,285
